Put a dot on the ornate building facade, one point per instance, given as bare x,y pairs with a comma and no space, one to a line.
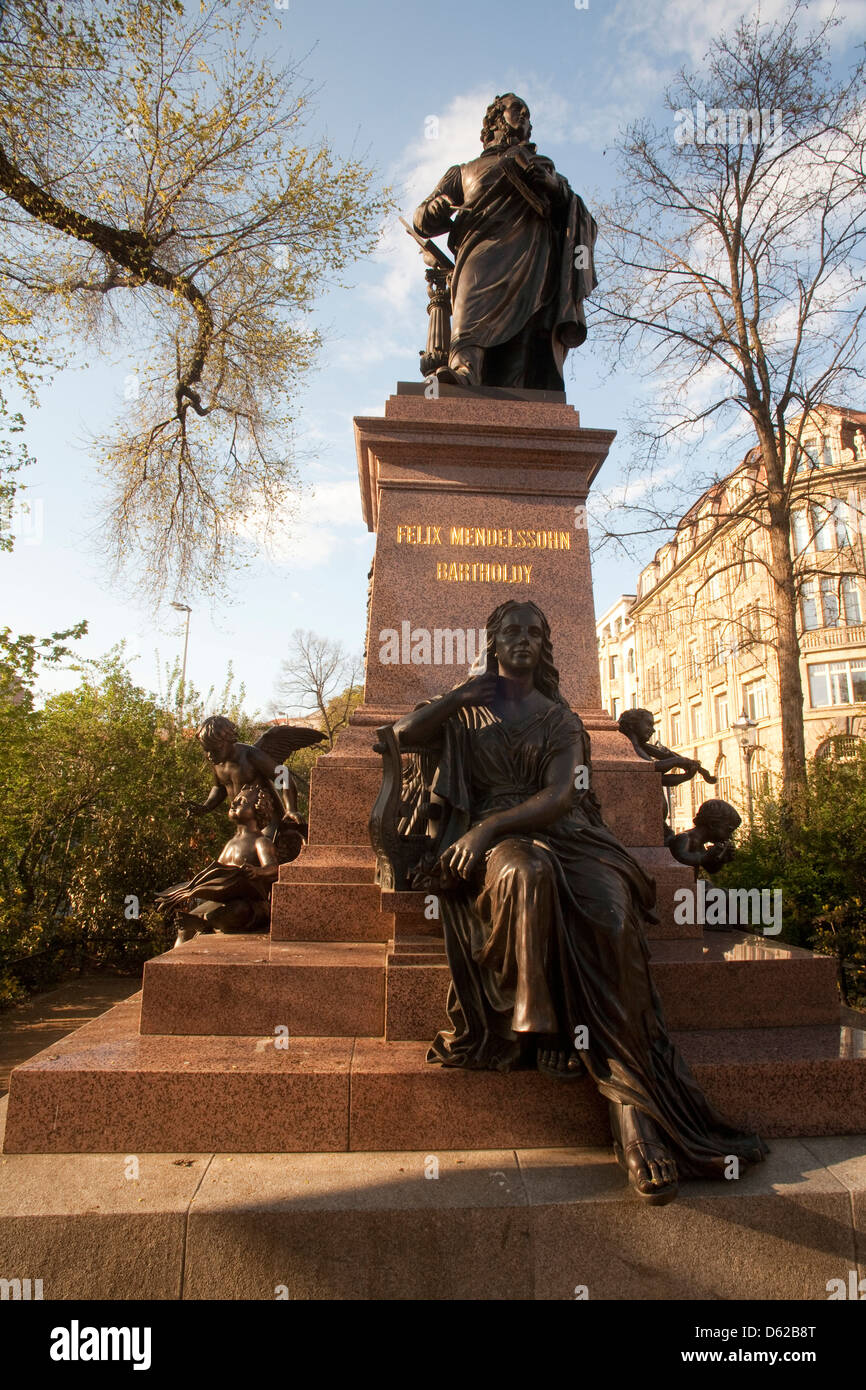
617,657
703,625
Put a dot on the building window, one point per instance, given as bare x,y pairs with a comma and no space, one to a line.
720,707
676,730
723,780
617,707
674,666
696,719
629,661
828,452
851,600
809,458
830,601
800,527
755,699
694,664
759,776
822,520
837,682
614,663
809,606
842,521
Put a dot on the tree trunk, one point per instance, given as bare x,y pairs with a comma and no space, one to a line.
788,652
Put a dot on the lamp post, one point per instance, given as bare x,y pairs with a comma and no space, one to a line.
744,728
183,608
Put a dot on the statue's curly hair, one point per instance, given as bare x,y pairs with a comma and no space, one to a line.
630,718
492,122
261,801
711,810
218,725
546,675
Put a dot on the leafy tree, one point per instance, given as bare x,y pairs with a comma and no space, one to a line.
156,190
13,457
91,822
735,278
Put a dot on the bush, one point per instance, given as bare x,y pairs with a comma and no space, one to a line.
817,857
91,821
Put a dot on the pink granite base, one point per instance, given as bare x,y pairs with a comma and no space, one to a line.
247,984
328,912
108,1089
730,979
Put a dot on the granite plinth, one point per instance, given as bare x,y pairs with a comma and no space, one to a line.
108,1088
331,864
479,1224
249,985
474,501
729,979
328,912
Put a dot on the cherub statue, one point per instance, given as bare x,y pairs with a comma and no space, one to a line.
232,893
638,725
708,845
237,765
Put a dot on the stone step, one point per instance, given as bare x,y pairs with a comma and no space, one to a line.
331,864
249,984
106,1088
328,912
305,903
491,1224
729,979
245,984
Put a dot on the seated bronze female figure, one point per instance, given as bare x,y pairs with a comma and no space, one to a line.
544,913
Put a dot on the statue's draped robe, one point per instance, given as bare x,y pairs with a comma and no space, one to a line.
550,938
218,883
514,265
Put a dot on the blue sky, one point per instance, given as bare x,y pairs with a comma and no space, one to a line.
383,67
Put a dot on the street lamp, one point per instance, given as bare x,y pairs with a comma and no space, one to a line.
183,608
744,727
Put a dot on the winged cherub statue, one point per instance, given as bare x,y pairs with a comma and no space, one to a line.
237,765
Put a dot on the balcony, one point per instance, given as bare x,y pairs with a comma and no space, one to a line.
819,637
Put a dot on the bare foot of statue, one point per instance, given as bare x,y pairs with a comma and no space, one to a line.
553,1059
643,1154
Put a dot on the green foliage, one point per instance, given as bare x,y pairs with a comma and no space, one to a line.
816,854
91,823
13,457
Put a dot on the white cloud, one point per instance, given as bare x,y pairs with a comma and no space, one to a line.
680,27
327,520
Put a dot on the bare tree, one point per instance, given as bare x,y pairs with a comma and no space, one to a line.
734,277
156,189
320,676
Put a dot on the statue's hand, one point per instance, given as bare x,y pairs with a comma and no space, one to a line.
193,808
439,209
462,858
540,176
478,690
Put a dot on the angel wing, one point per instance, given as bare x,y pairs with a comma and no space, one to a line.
284,739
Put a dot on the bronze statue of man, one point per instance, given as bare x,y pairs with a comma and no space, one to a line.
523,244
